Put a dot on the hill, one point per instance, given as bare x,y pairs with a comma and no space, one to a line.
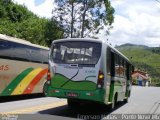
17,21
144,58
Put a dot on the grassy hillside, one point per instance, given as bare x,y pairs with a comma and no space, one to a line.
144,58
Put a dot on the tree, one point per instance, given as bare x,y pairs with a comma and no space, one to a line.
52,31
17,21
81,18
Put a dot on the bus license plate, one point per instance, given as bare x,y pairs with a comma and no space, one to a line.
72,94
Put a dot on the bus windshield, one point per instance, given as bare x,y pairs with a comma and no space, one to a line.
76,52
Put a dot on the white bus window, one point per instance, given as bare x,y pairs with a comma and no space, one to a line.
82,51
121,68
76,52
63,50
20,51
44,55
70,50
89,51
5,49
125,75
117,65
108,60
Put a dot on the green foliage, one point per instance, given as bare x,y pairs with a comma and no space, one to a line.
18,21
83,18
143,58
52,31
109,12
2,12
155,50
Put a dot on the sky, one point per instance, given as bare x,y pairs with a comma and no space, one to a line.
136,21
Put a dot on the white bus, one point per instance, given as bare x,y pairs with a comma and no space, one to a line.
23,66
83,69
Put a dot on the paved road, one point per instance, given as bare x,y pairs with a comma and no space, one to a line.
143,100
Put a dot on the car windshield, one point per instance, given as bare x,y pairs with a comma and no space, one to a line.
76,52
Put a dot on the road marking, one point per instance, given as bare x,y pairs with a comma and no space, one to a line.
154,108
37,108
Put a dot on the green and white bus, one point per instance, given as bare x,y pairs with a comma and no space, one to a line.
83,69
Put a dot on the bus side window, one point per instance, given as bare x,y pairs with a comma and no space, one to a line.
112,64
128,71
44,56
117,65
121,68
35,55
125,69
108,63
5,48
19,51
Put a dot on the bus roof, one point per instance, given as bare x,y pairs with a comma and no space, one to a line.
21,41
119,53
93,40
78,39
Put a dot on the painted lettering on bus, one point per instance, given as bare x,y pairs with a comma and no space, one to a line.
4,67
90,71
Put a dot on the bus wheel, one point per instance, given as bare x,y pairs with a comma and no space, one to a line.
72,103
125,100
114,102
44,94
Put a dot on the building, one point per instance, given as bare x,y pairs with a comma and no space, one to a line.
141,78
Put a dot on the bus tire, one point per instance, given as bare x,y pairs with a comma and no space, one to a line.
114,103
72,103
129,93
125,100
44,93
